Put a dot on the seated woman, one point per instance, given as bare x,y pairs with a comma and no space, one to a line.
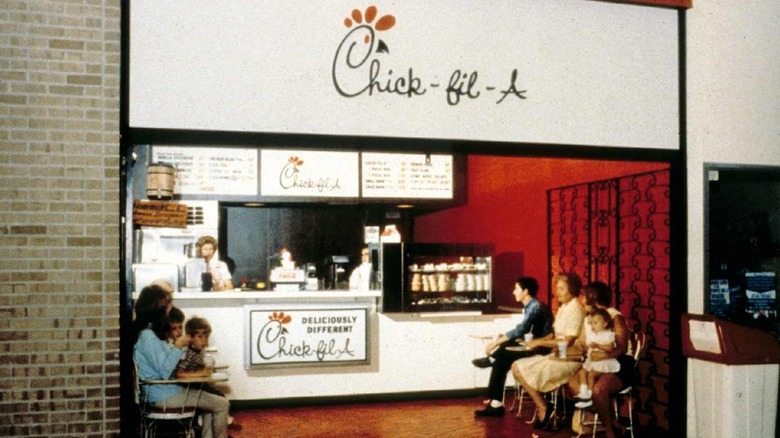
539,374
156,295
155,359
598,295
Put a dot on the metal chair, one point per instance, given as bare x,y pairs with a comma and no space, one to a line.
638,345
518,398
554,397
152,417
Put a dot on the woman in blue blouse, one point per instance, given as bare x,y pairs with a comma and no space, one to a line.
155,359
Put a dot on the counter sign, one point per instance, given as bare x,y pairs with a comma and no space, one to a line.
312,336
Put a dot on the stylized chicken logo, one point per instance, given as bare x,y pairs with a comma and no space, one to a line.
282,318
386,22
295,161
358,52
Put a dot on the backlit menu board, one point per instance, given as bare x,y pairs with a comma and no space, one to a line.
406,176
207,171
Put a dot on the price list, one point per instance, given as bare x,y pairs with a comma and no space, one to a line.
406,176
225,171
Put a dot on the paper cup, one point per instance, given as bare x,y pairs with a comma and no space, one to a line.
528,337
562,349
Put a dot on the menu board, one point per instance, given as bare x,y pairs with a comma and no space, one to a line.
406,176
207,171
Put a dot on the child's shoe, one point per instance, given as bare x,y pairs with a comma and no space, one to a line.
585,396
583,404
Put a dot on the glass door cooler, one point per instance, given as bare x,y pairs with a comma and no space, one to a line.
436,277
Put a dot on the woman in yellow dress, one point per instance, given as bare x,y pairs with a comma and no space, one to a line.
543,373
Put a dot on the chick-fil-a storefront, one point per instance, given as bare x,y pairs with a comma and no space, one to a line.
564,78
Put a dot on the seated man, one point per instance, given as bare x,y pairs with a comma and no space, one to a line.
538,320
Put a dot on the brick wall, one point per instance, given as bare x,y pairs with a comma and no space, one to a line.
59,217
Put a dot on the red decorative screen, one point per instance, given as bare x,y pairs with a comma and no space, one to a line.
617,231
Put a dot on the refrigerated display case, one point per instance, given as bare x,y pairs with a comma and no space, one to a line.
436,277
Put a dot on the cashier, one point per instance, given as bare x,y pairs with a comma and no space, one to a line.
361,276
286,259
220,275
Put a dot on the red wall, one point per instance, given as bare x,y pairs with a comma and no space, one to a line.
508,207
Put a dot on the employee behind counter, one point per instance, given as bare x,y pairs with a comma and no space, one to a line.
220,274
361,276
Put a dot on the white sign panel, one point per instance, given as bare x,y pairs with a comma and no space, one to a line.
206,171
325,334
567,72
704,336
309,173
406,176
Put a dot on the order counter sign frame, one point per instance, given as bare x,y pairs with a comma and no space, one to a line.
306,335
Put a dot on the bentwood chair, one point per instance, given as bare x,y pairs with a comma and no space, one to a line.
153,418
638,345
552,396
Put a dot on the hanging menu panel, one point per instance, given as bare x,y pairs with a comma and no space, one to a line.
407,176
208,171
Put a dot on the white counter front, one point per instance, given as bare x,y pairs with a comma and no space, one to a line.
267,296
408,352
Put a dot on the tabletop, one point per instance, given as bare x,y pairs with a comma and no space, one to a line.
520,349
524,351
214,378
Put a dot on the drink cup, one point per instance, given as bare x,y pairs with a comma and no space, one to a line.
210,362
528,338
206,282
562,349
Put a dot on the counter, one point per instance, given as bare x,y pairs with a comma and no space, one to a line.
409,352
263,296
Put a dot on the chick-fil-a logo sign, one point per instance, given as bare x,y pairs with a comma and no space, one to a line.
308,335
309,173
291,177
357,69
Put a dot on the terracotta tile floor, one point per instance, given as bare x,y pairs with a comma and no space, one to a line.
429,418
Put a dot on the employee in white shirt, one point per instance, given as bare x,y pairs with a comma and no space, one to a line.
361,276
220,274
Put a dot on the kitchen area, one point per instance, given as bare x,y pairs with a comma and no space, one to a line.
296,324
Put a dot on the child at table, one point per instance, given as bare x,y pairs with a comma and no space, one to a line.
598,336
176,317
193,361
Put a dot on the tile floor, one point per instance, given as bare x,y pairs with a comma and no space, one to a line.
429,418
